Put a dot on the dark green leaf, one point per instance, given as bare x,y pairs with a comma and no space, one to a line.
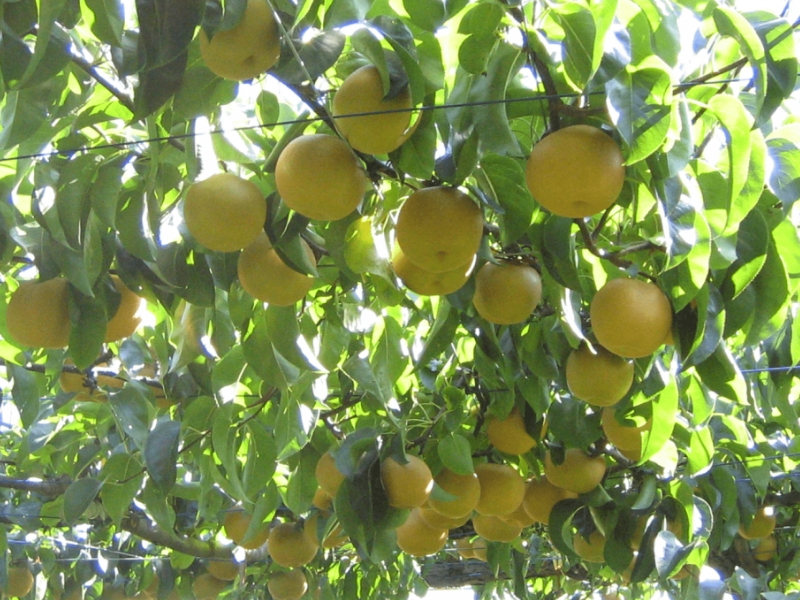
109,20
26,394
579,28
161,454
732,23
131,410
640,100
293,426
784,150
88,328
79,496
317,55
426,14
456,454
782,65
122,477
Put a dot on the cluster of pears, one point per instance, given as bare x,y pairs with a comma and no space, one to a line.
371,122
38,313
494,497
438,233
761,530
630,319
226,213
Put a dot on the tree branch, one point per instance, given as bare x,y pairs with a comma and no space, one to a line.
539,67
50,488
37,368
476,572
122,97
139,525
90,70
614,258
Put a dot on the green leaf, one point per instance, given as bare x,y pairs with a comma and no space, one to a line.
701,450
751,253
293,426
417,154
568,421
22,114
165,29
360,371
441,335
122,475
487,119
771,286
710,318
783,146
782,64
346,11
161,454
558,251
722,375
639,100
201,92
158,85
302,483
456,454
26,394
475,51
483,19
360,251
109,20
665,38
79,497
670,553
88,328
505,180
578,24
736,121
157,506
665,409
732,23
559,528
262,455
316,55
426,14
47,35
131,410
754,186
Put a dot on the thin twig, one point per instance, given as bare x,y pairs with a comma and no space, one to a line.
90,70
612,257
123,98
425,436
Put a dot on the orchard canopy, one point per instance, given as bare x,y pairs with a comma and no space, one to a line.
551,263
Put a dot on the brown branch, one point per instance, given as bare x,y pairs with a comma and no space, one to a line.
614,258
90,70
602,222
539,67
476,572
37,368
139,525
50,488
683,87
638,247
349,401
122,97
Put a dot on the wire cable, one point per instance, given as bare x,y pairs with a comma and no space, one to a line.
181,136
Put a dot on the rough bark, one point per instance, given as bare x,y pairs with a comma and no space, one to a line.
476,572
